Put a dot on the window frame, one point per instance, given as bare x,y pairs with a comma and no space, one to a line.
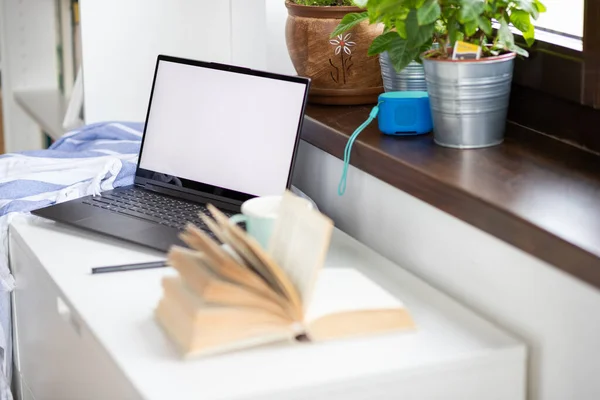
591,53
564,72
556,91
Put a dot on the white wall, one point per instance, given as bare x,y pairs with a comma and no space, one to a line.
554,313
121,40
248,33
278,59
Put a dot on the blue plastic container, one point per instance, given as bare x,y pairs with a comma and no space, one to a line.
404,113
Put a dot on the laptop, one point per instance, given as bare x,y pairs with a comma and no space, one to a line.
214,133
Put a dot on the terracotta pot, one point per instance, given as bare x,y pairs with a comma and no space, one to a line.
340,70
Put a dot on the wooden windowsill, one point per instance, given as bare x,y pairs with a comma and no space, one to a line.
534,192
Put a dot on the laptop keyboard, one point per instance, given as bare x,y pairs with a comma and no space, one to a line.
151,207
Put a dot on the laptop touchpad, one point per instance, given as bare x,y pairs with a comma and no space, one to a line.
113,223
132,229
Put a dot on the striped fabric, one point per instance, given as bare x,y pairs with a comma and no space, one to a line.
95,158
92,159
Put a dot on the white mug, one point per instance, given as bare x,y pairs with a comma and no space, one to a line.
260,214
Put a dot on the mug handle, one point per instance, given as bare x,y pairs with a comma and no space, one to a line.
238,219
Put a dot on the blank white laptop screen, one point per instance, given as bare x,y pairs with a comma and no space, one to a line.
227,129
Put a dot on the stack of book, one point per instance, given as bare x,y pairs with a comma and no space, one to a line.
235,294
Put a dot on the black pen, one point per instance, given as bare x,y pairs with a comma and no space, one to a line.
130,267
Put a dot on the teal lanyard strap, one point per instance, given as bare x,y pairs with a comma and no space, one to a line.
348,149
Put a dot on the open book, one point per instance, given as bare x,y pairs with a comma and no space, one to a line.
238,295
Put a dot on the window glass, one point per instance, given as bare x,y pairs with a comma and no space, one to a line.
562,16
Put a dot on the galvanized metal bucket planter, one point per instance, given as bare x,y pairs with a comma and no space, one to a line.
412,78
469,100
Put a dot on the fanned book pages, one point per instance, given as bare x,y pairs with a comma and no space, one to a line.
237,295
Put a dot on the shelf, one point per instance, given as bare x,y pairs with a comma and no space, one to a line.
534,192
47,107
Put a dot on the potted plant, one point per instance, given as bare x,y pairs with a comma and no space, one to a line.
409,77
341,72
469,97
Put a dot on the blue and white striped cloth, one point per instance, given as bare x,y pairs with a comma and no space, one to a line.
87,161
95,158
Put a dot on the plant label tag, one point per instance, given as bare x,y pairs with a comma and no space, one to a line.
466,51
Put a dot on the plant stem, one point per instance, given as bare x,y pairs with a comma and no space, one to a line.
481,35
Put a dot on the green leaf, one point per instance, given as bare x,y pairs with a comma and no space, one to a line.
507,40
485,25
389,7
522,21
439,28
529,7
402,12
454,32
520,51
388,21
382,43
373,4
349,21
448,12
401,54
540,7
416,34
505,36
470,10
429,12
401,29
471,27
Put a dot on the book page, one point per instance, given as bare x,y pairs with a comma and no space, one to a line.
299,243
225,263
248,258
341,290
193,269
256,257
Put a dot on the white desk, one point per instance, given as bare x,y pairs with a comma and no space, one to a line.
103,343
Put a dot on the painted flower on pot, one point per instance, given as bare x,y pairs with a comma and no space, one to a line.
342,48
343,43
